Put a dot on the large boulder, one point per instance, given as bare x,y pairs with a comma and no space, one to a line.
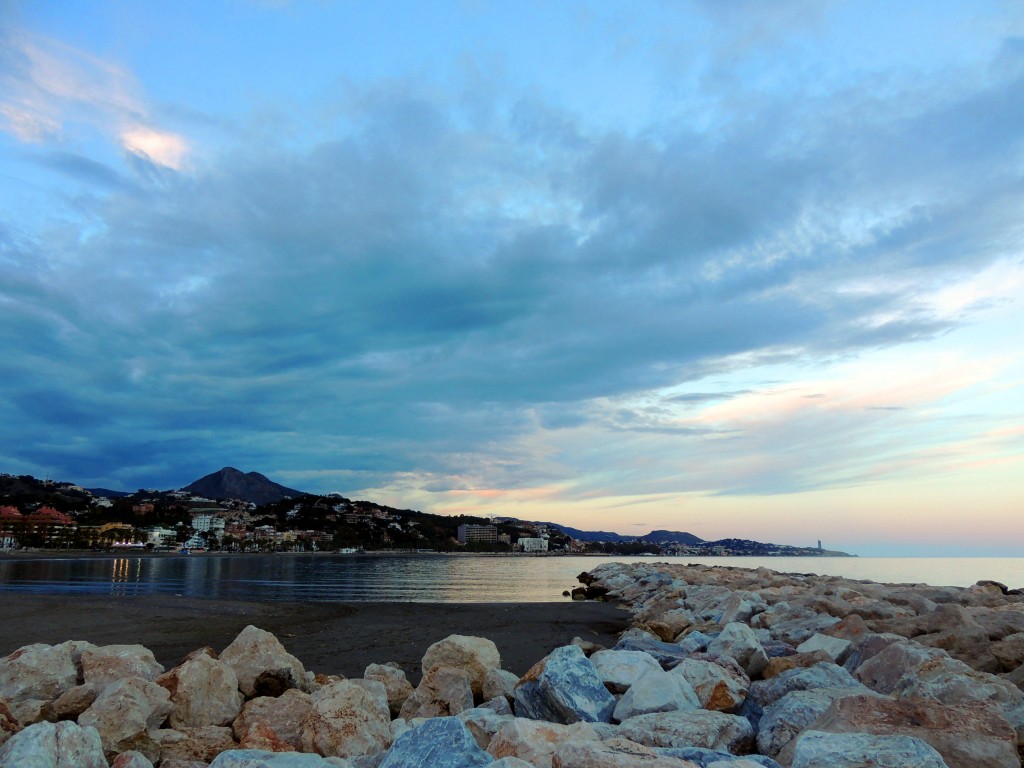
347,719
8,723
701,728
618,670
739,641
53,745
37,673
499,682
125,710
257,758
795,712
109,663
396,684
883,670
70,704
255,652
666,654
476,655
564,688
718,686
273,723
443,691
706,758
443,742
815,749
536,741
613,753
657,691
131,759
835,648
821,675
975,735
204,691
193,745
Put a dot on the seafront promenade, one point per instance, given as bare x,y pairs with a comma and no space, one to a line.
718,668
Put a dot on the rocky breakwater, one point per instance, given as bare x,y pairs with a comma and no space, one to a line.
824,671
722,668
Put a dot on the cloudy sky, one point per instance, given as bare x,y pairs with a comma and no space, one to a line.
734,267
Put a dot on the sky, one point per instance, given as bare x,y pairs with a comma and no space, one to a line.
742,269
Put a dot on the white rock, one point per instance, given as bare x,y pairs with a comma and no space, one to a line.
620,669
273,723
109,663
614,753
656,691
442,692
476,655
739,641
702,728
347,720
535,741
53,745
395,683
835,647
126,709
716,687
204,691
256,651
37,672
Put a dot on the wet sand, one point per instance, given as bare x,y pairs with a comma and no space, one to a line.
333,638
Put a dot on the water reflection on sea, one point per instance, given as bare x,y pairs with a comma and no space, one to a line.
423,578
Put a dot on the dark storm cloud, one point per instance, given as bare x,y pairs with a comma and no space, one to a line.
421,287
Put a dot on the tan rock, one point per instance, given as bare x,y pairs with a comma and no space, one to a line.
256,652
395,683
110,663
443,691
193,744
347,720
131,759
499,682
476,655
204,691
614,753
779,664
125,710
535,741
717,687
37,672
8,724
278,721
70,704
967,736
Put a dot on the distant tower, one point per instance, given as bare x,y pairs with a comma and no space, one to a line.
819,545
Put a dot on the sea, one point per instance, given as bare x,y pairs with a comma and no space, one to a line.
424,577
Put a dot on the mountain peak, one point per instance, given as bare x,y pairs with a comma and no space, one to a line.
231,483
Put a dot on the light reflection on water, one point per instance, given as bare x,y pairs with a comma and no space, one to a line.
425,578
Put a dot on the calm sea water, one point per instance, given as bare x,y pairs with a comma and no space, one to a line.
425,578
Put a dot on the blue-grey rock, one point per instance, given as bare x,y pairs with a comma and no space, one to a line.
260,758
815,749
441,742
705,757
53,745
695,642
564,688
752,712
666,654
786,718
822,675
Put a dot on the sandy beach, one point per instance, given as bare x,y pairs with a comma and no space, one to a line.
327,637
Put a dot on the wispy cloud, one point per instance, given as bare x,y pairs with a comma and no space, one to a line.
52,92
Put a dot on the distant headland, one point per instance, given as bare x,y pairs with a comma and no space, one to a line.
232,510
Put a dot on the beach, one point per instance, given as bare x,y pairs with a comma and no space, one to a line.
333,638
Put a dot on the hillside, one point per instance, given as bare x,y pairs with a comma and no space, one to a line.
230,483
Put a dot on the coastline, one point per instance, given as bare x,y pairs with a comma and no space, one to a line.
333,638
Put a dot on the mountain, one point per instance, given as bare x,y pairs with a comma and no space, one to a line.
671,537
107,493
654,537
579,535
230,483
